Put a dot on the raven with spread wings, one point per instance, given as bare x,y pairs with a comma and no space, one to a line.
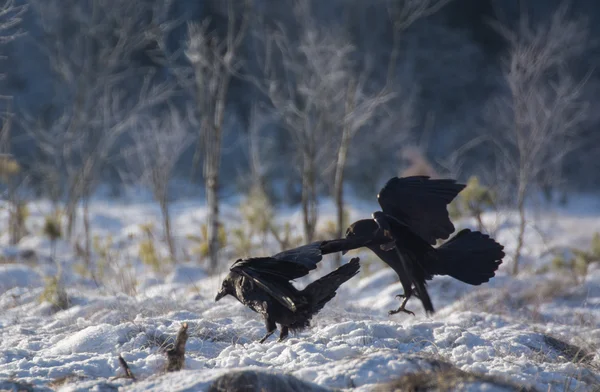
263,284
414,216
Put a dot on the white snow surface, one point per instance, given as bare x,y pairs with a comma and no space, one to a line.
502,328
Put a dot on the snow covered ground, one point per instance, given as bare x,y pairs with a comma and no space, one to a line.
540,329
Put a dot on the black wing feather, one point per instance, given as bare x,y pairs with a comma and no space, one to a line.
272,267
421,204
268,281
307,255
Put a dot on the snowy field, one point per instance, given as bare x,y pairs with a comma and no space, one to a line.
540,330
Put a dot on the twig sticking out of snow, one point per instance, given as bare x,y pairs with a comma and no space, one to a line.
176,355
126,369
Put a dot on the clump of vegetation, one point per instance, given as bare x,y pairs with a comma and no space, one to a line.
55,293
147,251
109,266
52,229
285,237
571,352
103,251
241,241
258,220
473,201
329,229
9,168
201,247
580,260
18,213
257,212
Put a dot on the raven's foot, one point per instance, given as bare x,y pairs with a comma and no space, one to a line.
402,307
271,327
283,334
269,333
404,295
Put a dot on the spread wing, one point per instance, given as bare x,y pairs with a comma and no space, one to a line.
421,204
311,254
307,255
273,268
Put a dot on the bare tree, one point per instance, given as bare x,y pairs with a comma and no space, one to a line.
258,146
360,108
214,61
158,145
11,16
100,89
543,110
403,14
306,82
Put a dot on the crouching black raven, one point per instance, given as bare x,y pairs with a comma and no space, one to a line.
263,284
414,216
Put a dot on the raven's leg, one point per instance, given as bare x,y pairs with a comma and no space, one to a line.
404,295
402,307
284,333
271,328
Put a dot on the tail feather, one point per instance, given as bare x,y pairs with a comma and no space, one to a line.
470,256
324,289
423,296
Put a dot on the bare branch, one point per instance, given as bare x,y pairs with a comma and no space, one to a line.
100,89
11,15
545,110
214,61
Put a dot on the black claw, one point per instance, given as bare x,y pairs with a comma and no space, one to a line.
400,310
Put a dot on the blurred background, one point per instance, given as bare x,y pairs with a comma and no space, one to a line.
283,103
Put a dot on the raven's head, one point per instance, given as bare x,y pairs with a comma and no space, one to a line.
226,288
362,228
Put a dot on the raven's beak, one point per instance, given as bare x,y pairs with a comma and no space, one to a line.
220,295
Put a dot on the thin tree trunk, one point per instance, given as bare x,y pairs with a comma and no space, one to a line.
212,203
339,171
339,190
309,198
521,234
71,213
14,220
313,205
166,216
212,160
305,206
87,234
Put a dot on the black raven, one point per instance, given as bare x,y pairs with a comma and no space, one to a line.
263,284
414,216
